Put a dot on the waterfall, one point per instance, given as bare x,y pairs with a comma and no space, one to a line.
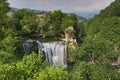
27,46
55,52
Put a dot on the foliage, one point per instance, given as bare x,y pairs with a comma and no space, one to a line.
8,44
97,51
87,71
80,32
100,47
81,71
4,8
6,57
112,10
69,31
32,67
24,69
25,21
42,28
51,24
69,20
54,23
52,73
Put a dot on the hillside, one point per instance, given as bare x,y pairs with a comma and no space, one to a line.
35,11
44,12
101,45
89,14
112,10
104,31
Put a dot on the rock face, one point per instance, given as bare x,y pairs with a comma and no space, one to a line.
27,46
118,61
69,35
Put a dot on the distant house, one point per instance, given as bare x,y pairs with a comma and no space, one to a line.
43,14
40,15
10,13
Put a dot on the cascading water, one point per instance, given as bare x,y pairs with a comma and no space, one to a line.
27,46
55,52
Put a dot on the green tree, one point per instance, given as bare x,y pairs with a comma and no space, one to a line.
4,8
81,71
50,24
69,20
24,69
44,23
97,50
87,71
52,73
25,21
56,21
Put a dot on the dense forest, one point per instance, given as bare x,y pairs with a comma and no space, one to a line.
95,56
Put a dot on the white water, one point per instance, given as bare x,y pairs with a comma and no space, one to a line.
55,52
27,47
